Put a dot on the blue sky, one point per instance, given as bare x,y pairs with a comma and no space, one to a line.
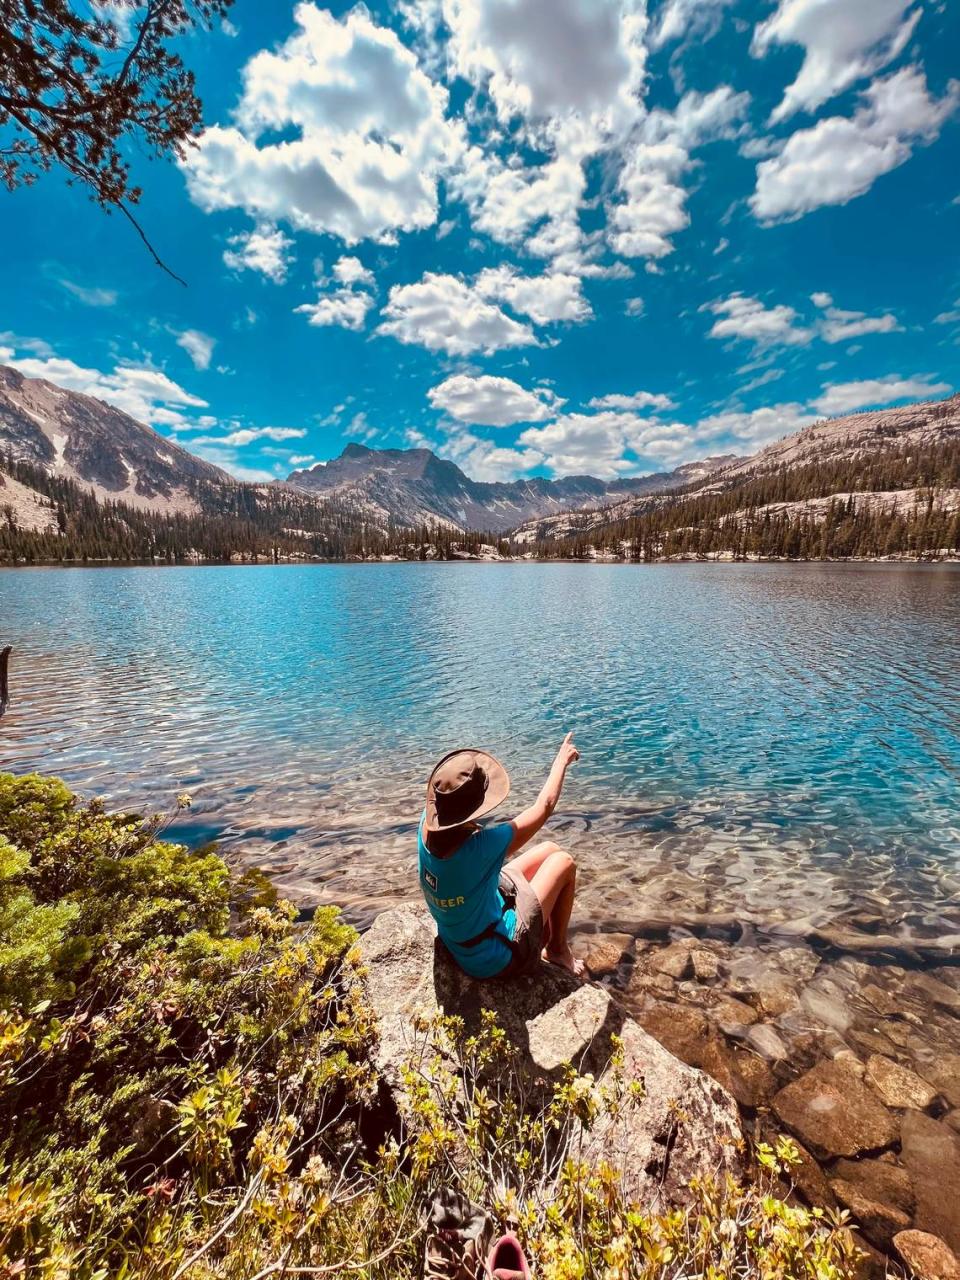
544,237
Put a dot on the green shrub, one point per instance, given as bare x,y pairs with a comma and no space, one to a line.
182,1098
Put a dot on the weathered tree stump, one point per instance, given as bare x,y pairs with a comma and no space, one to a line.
4,685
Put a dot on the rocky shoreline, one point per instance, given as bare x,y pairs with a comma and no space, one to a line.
858,1060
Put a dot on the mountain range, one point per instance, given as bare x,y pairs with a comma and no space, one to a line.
413,487
73,449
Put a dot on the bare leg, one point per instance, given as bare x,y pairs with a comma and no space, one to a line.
528,864
530,861
555,885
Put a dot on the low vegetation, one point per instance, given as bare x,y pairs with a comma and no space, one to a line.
186,1091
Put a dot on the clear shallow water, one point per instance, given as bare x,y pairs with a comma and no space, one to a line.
781,740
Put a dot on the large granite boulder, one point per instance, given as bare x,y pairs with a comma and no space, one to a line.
685,1125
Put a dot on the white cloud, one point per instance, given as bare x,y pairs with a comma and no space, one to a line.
444,313
652,203
92,296
372,134
668,444
678,18
762,380
844,41
508,199
265,249
545,299
492,402
841,326
839,159
144,393
351,271
742,317
344,307
945,317
247,435
198,346
639,400
635,307
609,444
585,443
845,397
821,299
301,459
479,459
545,59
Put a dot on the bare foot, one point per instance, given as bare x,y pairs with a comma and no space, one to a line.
565,959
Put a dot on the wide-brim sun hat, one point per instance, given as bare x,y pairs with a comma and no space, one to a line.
467,784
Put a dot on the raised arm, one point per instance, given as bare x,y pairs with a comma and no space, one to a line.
527,824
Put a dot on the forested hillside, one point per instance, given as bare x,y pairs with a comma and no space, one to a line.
903,501
238,522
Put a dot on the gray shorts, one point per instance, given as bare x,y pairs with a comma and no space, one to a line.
528,934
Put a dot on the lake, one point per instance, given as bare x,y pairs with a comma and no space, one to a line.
784,736
774,744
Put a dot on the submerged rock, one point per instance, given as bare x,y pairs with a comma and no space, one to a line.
685,1125
927,1256
930,988
834,1113
729,1013
898,1086
878,1193
602,952
944,1072
675,961
931,1152
879,1222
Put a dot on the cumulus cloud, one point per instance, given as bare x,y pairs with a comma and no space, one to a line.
481,461
843,40
492,402
743,317
265,249
839,159
351,271
585,443
545,299
846,397
444,313
639,400
198,346
545,59
371,137
651,202
346,308
609,444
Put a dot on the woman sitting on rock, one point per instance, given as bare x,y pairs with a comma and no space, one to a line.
495,921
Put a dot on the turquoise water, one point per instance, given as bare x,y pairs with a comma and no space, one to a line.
779,738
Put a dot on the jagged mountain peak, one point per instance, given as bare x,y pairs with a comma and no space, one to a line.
415,486
82,438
